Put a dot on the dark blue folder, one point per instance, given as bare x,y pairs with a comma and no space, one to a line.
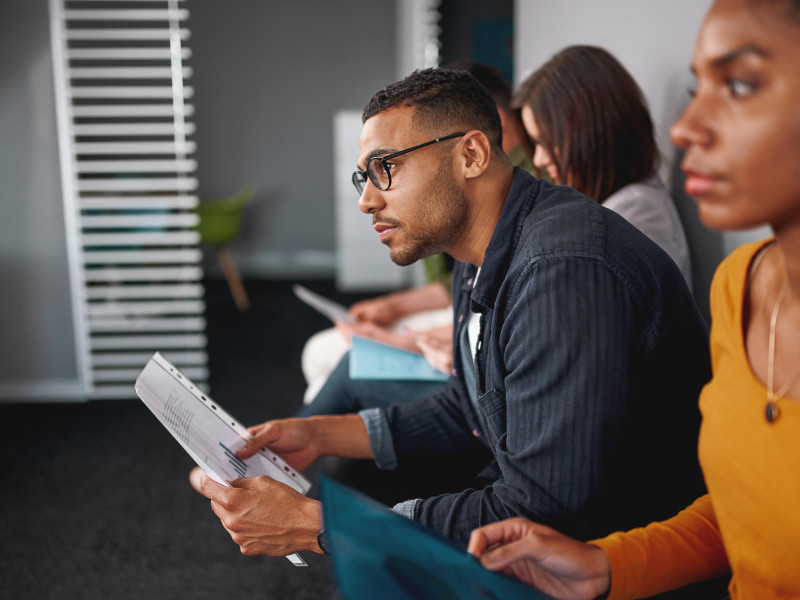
379,554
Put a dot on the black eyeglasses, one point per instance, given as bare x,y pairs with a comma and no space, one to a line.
379,172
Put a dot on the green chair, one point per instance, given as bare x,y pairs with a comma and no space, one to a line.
219,224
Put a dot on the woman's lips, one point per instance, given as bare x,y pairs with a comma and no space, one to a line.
698,184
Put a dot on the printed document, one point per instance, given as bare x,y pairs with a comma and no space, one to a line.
207,433
333,310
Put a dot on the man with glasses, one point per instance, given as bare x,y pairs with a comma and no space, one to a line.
418,319
578,349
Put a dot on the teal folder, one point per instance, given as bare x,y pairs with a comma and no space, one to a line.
379,554
373,360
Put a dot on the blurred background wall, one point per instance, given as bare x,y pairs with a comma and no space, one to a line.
269,78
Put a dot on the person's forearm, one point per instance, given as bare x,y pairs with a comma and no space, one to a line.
344,436
691,539
427,297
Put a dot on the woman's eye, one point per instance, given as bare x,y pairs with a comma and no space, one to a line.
691,89
740,88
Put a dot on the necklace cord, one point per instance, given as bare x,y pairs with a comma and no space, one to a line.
772,396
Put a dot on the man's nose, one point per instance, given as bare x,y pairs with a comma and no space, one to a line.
371,199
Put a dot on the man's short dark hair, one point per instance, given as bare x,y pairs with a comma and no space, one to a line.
490,76
445,101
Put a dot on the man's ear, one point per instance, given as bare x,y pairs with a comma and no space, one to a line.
475,153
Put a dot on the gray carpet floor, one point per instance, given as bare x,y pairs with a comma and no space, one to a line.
94,497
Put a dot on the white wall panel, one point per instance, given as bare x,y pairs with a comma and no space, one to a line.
135,260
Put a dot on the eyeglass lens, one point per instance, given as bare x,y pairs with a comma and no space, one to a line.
378,173
359,181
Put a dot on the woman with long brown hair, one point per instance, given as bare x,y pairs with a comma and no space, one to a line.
592,130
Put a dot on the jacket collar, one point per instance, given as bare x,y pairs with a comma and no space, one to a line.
503,242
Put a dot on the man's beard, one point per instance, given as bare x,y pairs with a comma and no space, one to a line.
441,220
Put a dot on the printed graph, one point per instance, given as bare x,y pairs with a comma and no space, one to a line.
237,463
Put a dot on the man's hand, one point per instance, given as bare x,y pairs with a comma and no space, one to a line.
292,439
263,516
301,441
543,558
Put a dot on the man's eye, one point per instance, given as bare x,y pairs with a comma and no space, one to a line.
389,166
740,88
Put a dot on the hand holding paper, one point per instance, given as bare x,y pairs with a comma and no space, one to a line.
437,347
291,438
381,311
542,557
379,334
262,515
265,517
301,441
209,434
372,360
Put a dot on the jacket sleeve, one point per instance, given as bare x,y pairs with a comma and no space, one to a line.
434,425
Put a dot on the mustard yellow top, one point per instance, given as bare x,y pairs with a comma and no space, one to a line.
749,522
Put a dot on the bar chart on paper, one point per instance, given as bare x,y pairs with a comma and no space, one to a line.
239,466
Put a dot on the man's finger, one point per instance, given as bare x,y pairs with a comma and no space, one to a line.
262,435
249,483
205,486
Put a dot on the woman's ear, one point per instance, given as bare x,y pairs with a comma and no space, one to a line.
475,153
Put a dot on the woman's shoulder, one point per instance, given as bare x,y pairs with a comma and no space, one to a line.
734,273
640,197
744,259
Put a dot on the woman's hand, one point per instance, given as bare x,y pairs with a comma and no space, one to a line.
379,334
543,558
383,311
437,346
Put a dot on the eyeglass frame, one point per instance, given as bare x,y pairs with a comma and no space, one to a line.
360,177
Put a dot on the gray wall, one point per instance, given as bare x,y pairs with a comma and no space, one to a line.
37,342
268,77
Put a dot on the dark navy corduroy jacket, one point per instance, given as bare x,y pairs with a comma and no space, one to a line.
590,360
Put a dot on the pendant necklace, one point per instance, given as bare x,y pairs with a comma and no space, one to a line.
772,411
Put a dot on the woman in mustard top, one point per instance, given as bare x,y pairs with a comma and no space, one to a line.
741,134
